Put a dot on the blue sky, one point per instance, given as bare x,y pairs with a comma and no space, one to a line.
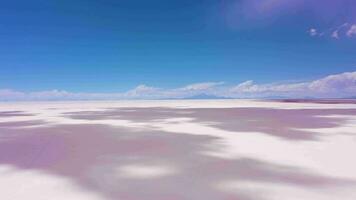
109,46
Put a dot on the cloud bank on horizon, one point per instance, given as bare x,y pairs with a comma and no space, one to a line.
333,86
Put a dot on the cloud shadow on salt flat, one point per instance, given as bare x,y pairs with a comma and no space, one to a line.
14,114
21,124
282,123
134,114
91,154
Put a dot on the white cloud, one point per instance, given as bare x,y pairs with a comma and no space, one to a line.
352,31
313,32
335,34
247,86
343,30
338,85
142,91
251,87
201,86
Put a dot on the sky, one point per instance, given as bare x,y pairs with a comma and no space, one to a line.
113,49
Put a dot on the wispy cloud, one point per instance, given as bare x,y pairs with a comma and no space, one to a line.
338,85
313,32
352,31
343,30
335,34
142,91
201,86
323,11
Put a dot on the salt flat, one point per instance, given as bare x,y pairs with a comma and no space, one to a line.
178,150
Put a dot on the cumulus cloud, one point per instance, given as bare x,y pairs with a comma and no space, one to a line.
193,89
139,92
143,91
251,87
339,85
252,90
201,86
332,86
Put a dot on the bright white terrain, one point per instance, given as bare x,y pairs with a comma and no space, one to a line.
189,149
